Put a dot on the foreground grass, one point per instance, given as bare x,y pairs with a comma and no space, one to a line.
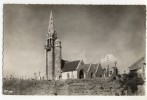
98,86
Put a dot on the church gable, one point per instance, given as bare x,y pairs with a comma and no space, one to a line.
83,68
100,71
92,70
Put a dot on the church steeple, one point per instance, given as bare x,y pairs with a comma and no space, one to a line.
53,52
51,26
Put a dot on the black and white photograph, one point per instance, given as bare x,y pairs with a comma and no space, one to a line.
74,50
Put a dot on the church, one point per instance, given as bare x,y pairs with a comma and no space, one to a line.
57,68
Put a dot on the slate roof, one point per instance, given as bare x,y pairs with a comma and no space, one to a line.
70,66
63,62
138,64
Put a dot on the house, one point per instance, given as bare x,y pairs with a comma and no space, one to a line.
139,67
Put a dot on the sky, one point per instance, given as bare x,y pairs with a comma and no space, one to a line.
91,30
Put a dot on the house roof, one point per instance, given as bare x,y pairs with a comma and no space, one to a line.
70,66
138,64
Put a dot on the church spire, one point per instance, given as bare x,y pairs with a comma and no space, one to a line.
51,26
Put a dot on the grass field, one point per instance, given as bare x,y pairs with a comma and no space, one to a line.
98,86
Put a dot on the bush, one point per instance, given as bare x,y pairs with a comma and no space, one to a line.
132,80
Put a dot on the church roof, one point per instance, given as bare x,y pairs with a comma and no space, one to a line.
70,66
93,68
84,67
139,64
100,72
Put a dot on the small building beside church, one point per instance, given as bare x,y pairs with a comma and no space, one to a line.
139,67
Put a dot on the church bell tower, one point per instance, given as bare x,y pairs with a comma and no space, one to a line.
53,52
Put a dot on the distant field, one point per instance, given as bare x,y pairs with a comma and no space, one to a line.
98,86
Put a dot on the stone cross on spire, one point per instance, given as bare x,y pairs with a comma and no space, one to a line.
51,26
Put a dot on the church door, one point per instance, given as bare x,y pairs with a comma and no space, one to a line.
81,74
91,75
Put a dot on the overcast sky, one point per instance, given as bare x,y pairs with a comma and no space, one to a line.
96,30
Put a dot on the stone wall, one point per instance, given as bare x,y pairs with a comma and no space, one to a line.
57,59
50,64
